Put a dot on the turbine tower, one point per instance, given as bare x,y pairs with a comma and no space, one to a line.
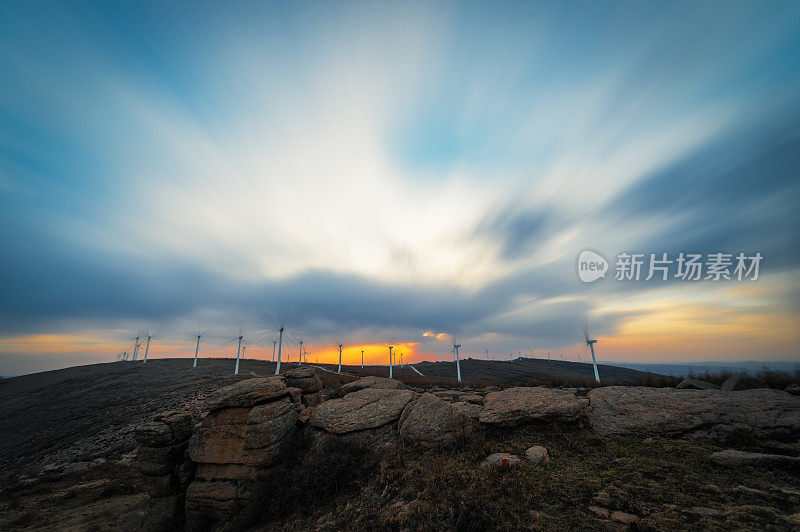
274,343
197,333
390,361
280,345
590,342
300,360
147,349
458,362
280,319
340,358
136,346
362,359
238,337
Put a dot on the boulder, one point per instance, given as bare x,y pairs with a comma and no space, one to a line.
432,421
742,381
305,379
695,384
793,389
165,429
500,461
250,436
469,410
372,382
713,413
735,459
247,393
537,455
366,409
516,406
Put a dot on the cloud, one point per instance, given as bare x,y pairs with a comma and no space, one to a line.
387,170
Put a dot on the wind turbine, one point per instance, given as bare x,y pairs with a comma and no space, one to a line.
362,359
458,363
590,342
487,354
280,319
274,344
147,349
197,332
300,360
136,345
390,361
238,337
339,345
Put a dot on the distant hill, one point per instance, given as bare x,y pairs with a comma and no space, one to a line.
522,370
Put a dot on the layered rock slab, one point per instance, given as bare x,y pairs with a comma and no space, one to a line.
517,406
714,413
161,458
249,426
432,421
367,416
372,382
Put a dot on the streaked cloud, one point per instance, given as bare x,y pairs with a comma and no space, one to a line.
394,171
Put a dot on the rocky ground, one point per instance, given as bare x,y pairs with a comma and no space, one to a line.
83,449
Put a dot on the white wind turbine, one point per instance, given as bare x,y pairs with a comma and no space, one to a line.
362,359
300,356
279,320
197,333
237,336
458,362
338,345
590,342
149,336
136,345
390,361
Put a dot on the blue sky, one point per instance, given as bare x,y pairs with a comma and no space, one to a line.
393,168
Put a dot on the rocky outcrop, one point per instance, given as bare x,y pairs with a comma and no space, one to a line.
162,460
793,389
372,382
431,421
250,425
694,384
247,393
305,379
742,381
712,413
368,416
517,406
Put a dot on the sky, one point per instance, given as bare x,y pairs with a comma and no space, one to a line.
395,172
